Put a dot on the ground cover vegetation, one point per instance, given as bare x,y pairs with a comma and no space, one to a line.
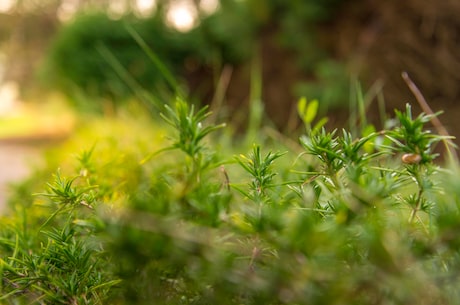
200,218
177,208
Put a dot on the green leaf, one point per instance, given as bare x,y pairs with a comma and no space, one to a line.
311,111
301,107
319,125
369,145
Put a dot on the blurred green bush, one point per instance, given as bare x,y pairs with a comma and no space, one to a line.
231,35
75,60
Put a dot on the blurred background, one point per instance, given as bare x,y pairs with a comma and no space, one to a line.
62,58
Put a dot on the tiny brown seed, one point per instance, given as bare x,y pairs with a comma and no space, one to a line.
411,158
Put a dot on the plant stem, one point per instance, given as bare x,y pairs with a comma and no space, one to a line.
419,198
417,206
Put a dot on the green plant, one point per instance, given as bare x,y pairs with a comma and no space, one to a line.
58,261
97,56
346,221
190,135
347,160
418,146
260,169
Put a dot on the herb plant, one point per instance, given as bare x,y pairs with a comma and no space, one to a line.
363,217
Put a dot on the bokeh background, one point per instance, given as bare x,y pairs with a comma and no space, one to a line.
311,48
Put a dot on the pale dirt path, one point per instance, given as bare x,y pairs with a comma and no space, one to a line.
16,163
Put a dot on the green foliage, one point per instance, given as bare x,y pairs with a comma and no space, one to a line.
330,86
346,220
260,169
58,262
217,32
100,56
190,131
190,135
75,61
308,113
411,137
96,56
